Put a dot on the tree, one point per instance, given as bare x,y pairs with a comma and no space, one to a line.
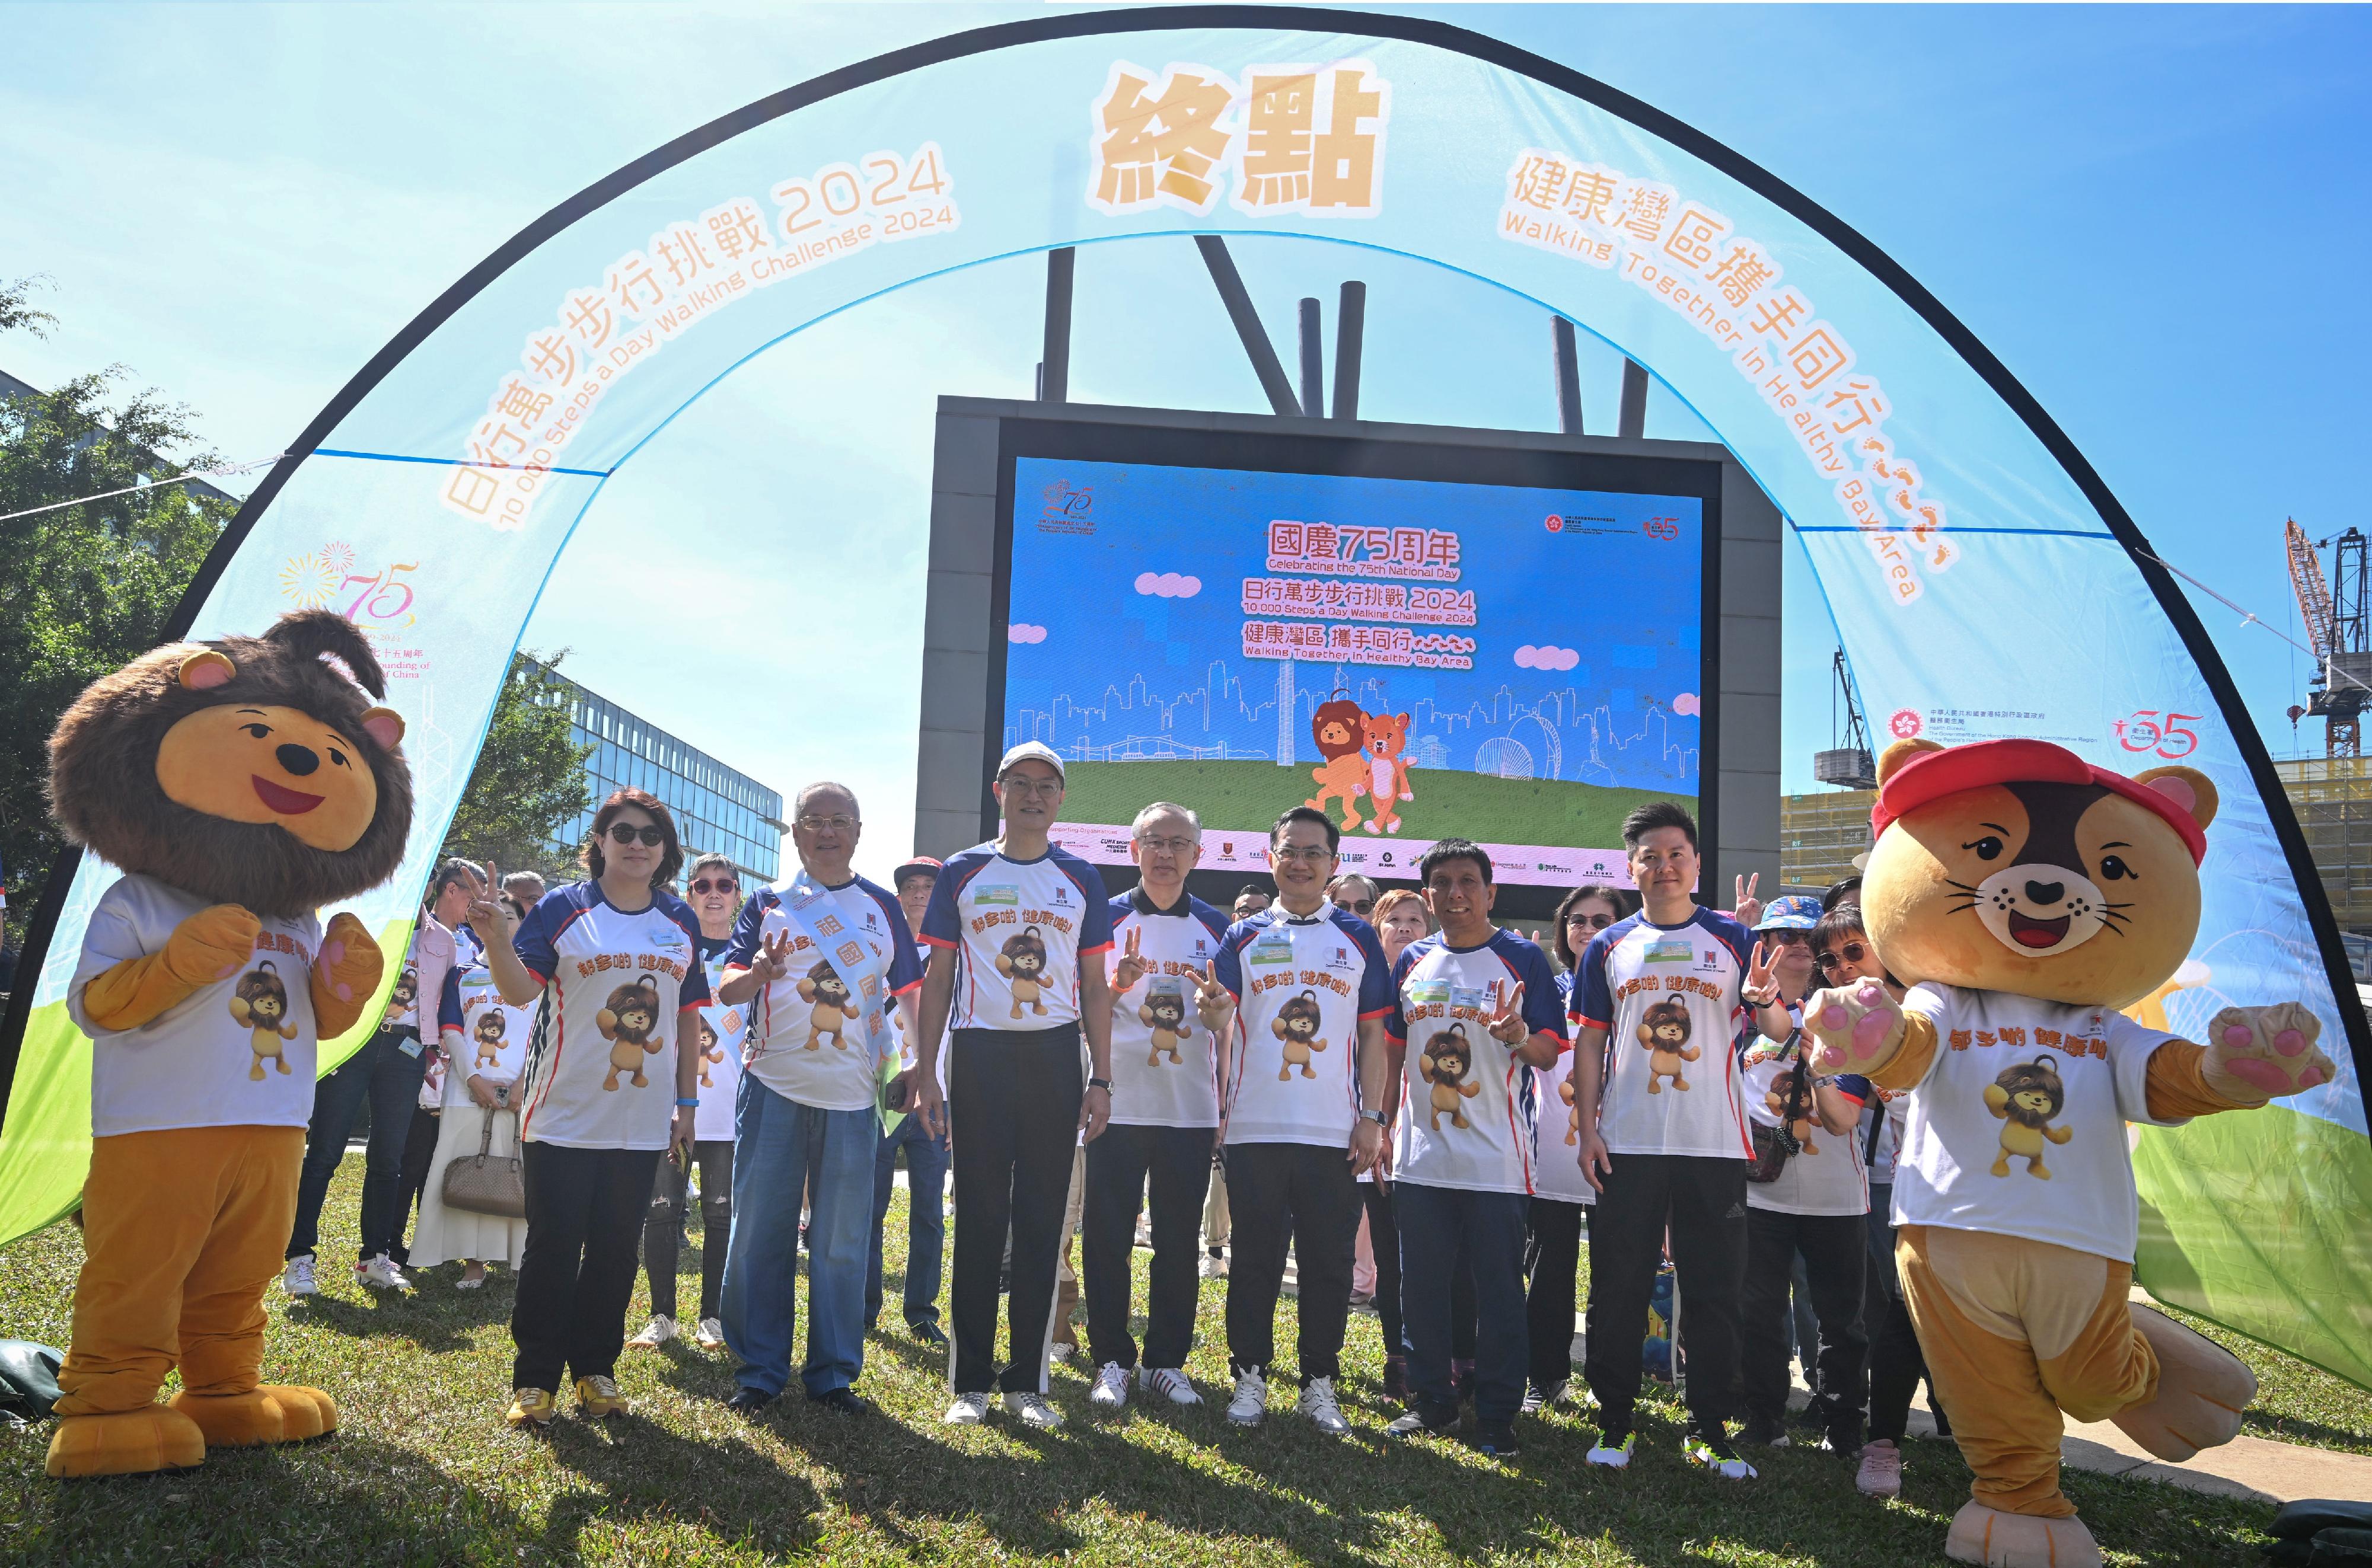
86,589
529,784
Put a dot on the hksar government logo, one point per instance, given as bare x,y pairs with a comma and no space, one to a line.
1905,725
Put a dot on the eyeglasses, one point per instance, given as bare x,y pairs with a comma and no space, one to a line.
838,824
1595,921
1852,952
622,833
1168,846
1309,854
1361,906
1047,788
721,886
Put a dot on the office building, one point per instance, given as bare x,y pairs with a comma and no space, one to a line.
1820,833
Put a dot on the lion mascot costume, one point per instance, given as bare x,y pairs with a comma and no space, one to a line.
2026,896
240,785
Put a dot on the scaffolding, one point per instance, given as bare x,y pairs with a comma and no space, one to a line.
1820,834
2332,798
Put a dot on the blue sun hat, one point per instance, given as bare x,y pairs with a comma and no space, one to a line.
1796,912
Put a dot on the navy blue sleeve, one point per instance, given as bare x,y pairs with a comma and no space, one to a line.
692,991
1543,1003
1854,1085
1230,963
942,927
744,951
541,928
1396,1022
905,968
1593,1003
1096,925
448,1005
1212,921
1378,997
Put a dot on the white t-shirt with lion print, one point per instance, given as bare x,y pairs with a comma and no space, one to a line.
2070,1078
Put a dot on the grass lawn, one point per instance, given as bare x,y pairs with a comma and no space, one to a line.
425,1472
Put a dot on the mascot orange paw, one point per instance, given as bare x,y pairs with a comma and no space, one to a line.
2202,1389
2018,1540
350,961
234,1421
127,1443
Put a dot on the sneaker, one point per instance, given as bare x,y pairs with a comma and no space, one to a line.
656,1332
380,1273
1034,1409
1880,1474
1111,1391
1708,1447
1554,1394
969,1410
1396,1383
297,1279
1214,1264
1497,1440
929,1334
710,1334
1419,1420
1169,1383
1536,1398
1061,1352
1762,1431
1317,1402
1613,1450
597,1396
532,1407
1251,1402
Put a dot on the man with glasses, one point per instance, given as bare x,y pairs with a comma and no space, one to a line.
817,957
1309,991
1164,1112
927,1153
1018,929
1249,901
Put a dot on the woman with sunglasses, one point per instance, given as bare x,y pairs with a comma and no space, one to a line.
717,899
613,1084
1845,956
1561,1190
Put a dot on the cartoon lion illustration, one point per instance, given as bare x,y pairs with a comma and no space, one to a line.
1664,1031
2026,1097
834,1008
400,999
1297,1025
260,1002
1573,1117
1164,1013
1799,1126
1447,1059
1386,735
631,1022
711,1053
491,1027
1023,962
1337,727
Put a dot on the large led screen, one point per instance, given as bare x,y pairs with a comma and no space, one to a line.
1518,664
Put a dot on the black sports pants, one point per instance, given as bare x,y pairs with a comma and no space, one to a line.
1834,1249
1176,1162
1013,1111
1701,1200
1555,1260
1301,1194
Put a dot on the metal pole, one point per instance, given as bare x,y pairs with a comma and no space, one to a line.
1313,360
1055,375
1350,343
1265,364
1635,401
1568,375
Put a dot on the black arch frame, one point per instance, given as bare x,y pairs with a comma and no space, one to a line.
1410,29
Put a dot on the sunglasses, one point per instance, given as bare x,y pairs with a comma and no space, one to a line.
620,833
1595,921
721,886
1361,906
1852,952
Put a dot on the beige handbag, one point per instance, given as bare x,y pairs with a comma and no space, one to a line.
484,1183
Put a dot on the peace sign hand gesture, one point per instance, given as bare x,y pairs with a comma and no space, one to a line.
1748,908
1133,966
487,911
773,959
1506,1022
1212,1002
1761,987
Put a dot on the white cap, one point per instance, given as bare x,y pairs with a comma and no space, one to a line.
1031,751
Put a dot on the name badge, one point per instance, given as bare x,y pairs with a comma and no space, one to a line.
409,1047
1275,948
1670,952
996,895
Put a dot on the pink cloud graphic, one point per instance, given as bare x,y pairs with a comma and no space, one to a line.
1687,705
1168,585
1022,632
1544,658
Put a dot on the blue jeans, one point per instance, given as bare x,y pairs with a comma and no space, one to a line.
1435,1225
388,1069
774,1140
926,1222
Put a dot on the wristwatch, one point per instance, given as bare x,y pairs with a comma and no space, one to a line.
1377,1117
1103,1084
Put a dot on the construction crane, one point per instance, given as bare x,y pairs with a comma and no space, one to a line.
2338,625
1846,764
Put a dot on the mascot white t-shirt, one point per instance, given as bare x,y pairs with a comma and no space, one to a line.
1668,998
1302,984
1020,929
1165,1073
1466,1104
722,1039
814,1038
1826,1175
485,1036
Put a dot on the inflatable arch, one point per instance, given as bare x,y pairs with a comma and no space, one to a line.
1971,559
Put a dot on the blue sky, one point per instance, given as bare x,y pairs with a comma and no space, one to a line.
2157,219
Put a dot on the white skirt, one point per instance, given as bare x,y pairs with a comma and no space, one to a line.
443,1234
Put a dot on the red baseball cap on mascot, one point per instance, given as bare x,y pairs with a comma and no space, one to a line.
1932,776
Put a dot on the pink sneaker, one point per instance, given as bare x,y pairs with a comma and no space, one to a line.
1881,1470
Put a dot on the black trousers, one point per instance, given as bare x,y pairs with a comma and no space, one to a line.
1834,1246
585,1208
419,1154
1554,1257
663,1226
1302,1195
1013,1111
1896,1363
1701,1201
1384,1240
386,1072
1175,1163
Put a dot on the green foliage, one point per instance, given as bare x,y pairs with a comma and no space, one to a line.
528,782
86,589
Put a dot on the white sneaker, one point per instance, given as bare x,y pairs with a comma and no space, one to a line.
380,1273
1111,1391
1251,1402
970,1409
1061,1352
656,1332
711,1335
1317,1402
1169,1382
297,1279
1034,1411
1215,1266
